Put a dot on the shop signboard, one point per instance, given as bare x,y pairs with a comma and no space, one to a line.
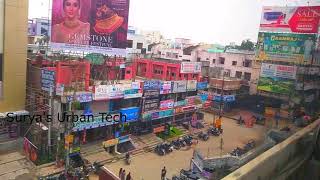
188,108
202,85
290,19
90,123
47,79
285,47
155,115
103,26
193,100
180,103
110,142
166,87
59,89
104,92
167,104
226,98
278,79
151,93
166,113
131,114
192,85
151,104
203,97
158,129
132,90
191,67
81,97
179,86
151,85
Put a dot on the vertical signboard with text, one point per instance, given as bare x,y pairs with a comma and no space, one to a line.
90,25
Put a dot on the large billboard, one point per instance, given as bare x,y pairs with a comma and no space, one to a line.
304,19
90,25
277,78
191,67
285,47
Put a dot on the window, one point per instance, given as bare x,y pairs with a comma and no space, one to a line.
247,76
198,59
128,72
130,42
207,58
139,45
234,63
238,74
221,60
247,63
213,61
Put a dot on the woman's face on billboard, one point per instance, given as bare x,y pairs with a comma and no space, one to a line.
71,8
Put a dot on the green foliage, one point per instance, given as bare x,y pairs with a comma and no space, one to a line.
173,133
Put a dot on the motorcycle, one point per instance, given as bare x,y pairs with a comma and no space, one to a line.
160,150
250,145
203,136
214,131
237,152
176,144
188,140
168,147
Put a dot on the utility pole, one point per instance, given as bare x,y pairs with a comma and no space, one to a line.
50,123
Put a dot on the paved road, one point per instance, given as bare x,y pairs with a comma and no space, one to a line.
148,166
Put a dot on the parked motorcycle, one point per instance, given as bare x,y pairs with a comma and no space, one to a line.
237,152
188,140
249,146
168,147
203,136
214,131
160,150
176,144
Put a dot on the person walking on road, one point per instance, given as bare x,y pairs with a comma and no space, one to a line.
120,172
123,175
240,120
128,176
163,173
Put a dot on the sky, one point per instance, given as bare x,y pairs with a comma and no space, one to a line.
209,21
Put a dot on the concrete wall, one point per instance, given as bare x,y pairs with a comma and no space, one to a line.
15,54
270,164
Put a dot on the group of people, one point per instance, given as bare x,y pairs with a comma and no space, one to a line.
122,175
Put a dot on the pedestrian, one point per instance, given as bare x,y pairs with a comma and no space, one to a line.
128,176
123,175
120,172
240,120
277,118
163,173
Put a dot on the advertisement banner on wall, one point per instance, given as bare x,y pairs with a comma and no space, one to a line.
91,124
131,114
167,104
303,19
285,47
166,87
103,92
277,78
90,25
226,98
132,90
151,104
192,85
179,86
151,85
280,71
47,80
191,67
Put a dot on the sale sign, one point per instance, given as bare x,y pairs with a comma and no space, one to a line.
302,19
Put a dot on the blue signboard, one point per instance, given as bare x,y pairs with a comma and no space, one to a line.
151,85
202,85
203,97
123,139
227,98
132,113
47,79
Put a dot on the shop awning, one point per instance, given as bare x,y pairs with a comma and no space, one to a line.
18,113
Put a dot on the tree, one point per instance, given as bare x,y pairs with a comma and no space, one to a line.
247,45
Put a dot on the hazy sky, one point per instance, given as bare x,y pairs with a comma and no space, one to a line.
211,21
